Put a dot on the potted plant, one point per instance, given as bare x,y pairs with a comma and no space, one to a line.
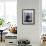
1,22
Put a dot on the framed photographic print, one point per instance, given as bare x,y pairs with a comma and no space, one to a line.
28,16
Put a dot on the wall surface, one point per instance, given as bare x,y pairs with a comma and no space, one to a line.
30,32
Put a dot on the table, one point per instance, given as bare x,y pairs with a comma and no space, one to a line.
1,34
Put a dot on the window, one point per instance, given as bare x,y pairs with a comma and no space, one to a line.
1,8
11,11
43,16
8,10
43,4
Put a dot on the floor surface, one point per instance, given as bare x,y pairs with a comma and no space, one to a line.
2,43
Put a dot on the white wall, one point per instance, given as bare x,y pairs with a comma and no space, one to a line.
31,32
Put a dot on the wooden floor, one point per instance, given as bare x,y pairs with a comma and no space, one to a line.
2,43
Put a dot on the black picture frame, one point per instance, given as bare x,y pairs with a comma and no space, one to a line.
28,16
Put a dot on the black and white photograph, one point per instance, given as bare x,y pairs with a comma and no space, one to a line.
28,16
